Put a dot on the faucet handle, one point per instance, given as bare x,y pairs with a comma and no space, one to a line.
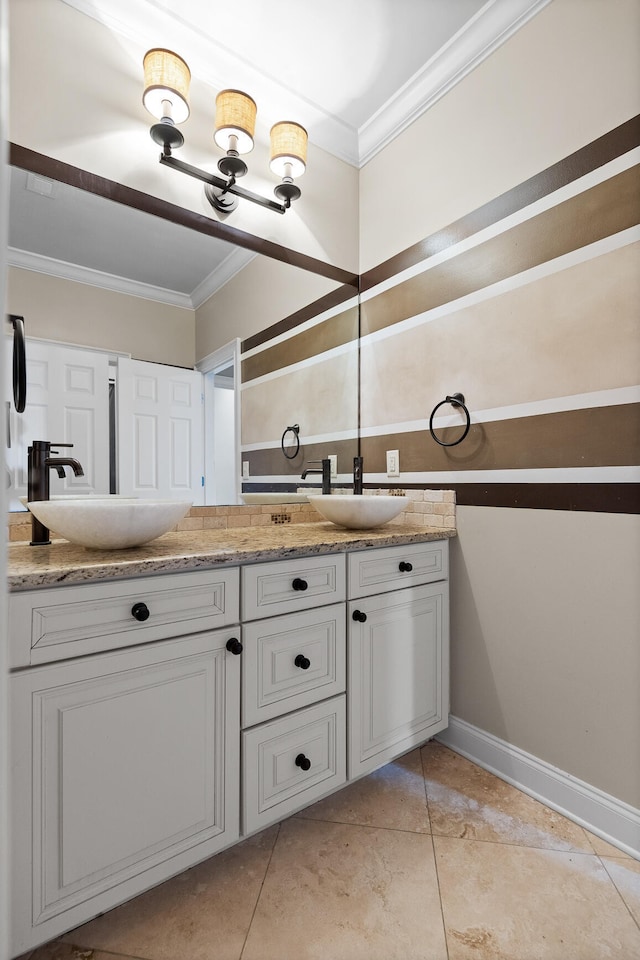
54,444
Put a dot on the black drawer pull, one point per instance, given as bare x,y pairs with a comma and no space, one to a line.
140,611
359,616
303,762
405,567
234,646
299,584
303,662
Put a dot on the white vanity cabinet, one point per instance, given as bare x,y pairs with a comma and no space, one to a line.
398,664
155,720
293,686
125,763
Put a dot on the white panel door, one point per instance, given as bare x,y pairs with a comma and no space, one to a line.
160,431
67,402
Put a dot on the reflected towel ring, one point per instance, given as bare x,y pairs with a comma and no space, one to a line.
19,363
295,430
457,400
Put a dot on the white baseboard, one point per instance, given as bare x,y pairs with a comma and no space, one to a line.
609,818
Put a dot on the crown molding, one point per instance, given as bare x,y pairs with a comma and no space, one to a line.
492,26
24,260
236,261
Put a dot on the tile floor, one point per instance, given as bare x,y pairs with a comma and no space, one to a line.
430,858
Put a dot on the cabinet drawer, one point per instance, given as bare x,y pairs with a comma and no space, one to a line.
377,571
274,786
292,661
62,622
269,589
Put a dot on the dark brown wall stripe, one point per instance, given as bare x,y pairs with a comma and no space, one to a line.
603,210
271,462
333,299
334,332
590,497
613,144
592,437
57,170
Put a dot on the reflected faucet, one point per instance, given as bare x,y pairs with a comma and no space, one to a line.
325,470
39,462
358,468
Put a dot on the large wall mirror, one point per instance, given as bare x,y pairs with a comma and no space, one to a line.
98,266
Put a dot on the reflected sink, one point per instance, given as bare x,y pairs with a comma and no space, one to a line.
109,523
358,512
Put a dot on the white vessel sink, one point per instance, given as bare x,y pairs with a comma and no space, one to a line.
109,523
358,512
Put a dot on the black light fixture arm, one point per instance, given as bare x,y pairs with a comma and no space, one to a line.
228,186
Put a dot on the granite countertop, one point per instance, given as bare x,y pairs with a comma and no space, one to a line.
64,563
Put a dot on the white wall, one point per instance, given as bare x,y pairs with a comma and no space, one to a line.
544,604
545,623
4,676
59,309
567,77
263,293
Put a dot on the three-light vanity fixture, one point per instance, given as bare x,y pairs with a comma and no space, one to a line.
166,97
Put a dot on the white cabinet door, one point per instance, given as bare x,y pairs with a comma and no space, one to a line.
160,431
398,673
67,402
125,770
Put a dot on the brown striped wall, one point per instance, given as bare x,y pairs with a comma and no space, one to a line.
529,307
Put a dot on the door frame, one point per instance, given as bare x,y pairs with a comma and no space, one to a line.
208,366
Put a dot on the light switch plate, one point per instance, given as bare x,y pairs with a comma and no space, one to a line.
334,465
393,463
245,468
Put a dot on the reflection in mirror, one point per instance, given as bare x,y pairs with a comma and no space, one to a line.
130,287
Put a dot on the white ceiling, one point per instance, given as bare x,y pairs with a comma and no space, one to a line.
355,73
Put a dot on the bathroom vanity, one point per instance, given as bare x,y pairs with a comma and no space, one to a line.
168,702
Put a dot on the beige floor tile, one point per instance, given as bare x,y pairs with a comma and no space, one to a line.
202,914
66,951
467,801
625,873
393,797
503,902
346,892
604,849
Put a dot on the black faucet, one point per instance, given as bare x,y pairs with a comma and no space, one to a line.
39,462
325,470
358,466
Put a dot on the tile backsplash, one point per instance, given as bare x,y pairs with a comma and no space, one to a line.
426,508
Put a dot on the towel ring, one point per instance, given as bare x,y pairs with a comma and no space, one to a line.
457,400
295,430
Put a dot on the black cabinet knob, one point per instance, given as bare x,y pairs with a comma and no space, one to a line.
303,662
405,567
303,762
359,616
234,646
299,584
140,611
